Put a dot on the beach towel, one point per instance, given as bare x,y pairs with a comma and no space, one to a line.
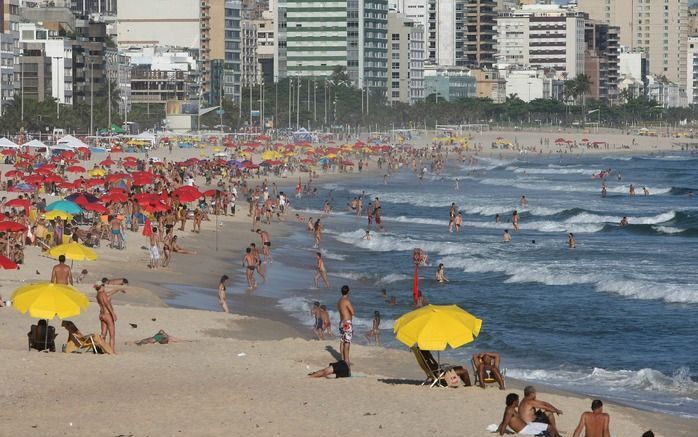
534,428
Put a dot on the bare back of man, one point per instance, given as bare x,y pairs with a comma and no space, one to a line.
595,423
61,274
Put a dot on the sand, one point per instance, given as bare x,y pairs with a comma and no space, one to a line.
236,374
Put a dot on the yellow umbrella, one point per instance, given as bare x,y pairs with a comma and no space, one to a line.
52,215
45,300
434,327
96,172
73,251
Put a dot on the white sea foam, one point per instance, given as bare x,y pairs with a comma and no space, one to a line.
393,277
331,255
556,170
299,308
386,242
585,217
646,379
668,229
565,274
582,186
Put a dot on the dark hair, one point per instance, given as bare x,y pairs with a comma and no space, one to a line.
511,398
248,250
42,322
648,434
596,404
319,255
224,278
345,290
377,313
61,258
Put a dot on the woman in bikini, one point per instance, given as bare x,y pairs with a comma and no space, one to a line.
221,293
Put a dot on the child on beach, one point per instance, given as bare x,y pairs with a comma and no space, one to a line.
375,329
326,323
316,312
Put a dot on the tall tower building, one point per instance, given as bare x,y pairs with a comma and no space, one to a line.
659,28
367,42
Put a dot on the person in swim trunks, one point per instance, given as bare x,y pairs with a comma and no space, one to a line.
250,262
339,369
346,330
316,312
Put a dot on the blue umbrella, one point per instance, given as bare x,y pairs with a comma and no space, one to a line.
24,188
65,206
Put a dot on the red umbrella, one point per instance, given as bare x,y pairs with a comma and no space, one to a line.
12,227
107,162
130,163
18,203
155,207
53,179
13,173
116,177
186,193
95,182
7,263
147,228
115,197
81,200
95,207
44,170
67,185
212,193
8,151
76,169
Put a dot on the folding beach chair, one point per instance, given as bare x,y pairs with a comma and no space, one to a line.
433,370
41,338
84,344
489,378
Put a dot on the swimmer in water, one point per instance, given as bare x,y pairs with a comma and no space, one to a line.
624,221
507,237
571,242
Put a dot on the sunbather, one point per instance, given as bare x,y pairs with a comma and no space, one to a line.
513,421
161,337
340,369
42,336
487,363
75,336
461,371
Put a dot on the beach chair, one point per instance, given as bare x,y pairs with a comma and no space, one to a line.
41,338
433,370
90,343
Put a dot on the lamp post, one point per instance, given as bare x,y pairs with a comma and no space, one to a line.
92,101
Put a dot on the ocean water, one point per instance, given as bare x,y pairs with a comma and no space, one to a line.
617,317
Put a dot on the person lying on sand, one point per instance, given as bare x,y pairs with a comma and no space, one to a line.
161,337
339,369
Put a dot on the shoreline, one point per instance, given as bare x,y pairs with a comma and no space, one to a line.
260,322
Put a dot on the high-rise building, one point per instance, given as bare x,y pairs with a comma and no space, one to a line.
265,47
249,67
367,44
479,38
659,28
546,37
406,59
316,37
601,60
158,23
692,71
232,42
278,12
9,34
448,83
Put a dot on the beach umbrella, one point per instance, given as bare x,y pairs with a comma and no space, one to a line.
14,173
8,226
75,169
7,263
434,327
186,193
45,300
53,179
115,197
52,215
96,207
18,203
73,251
97,172
107,162
65,205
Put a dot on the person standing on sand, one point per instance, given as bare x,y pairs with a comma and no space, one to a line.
320,271
154,249
346,329
594,423
326,323
258,261
250,264
375,331
107,316
61,273
221,293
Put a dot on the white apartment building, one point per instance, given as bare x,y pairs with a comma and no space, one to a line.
692,71
173,23
531,85
60,51
542,37
405,59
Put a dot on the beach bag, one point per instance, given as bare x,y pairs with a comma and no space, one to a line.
452,379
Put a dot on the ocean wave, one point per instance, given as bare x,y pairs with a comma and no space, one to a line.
386,242
668,229
555,170
331,255
583,187
299,308
425,200
562,274
650,380
594,218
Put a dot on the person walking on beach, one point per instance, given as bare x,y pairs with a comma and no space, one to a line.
258,261
515,220
107,316
316,312
266,244
154,249
594,423
534,410
250,264
221,293
346,329
320,271
317,232
375,331
61,273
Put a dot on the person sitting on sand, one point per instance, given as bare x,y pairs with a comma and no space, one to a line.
339,369
533,410
488,363
176,248
161,337
512,420
594,423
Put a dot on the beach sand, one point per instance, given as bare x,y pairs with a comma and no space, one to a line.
237,374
